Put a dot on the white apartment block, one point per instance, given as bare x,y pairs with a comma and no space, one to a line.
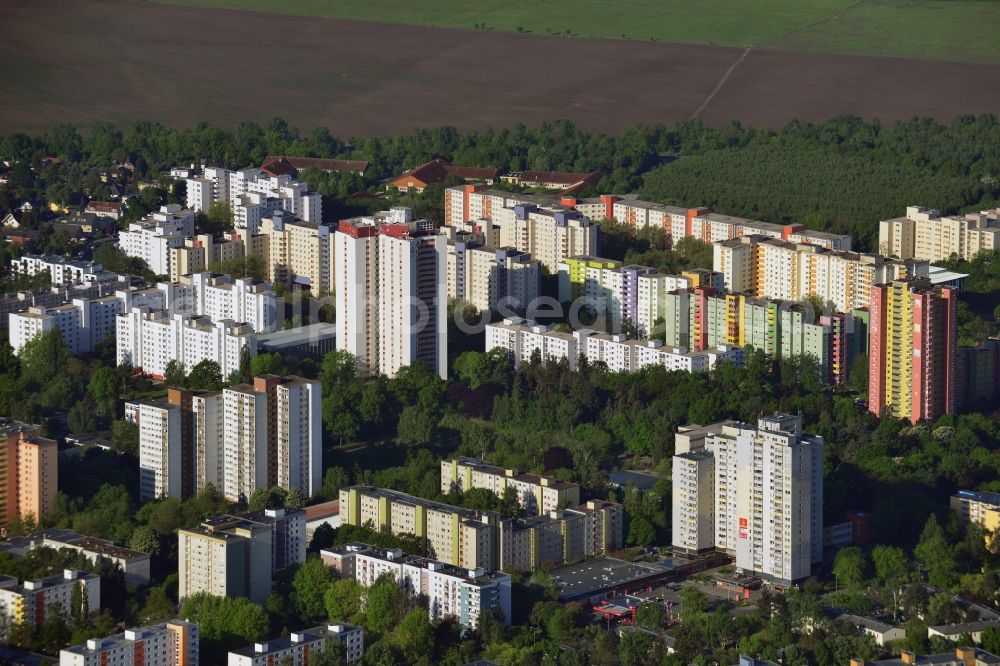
391,279
778,269
200,194
153,238
452,592
254,195
299,432
538,495
62,271
160,471
149,340
173,643
768,496
672,220
924,234
693,506
485,276
248,210
31,602
356,291
297,648
220,297
412,302
521,338
245,441
81,323
207,428
271,436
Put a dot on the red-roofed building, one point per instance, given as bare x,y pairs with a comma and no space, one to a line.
567,181
299,163
327,513
111,209
435,171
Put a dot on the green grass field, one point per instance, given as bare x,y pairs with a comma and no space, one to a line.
962,30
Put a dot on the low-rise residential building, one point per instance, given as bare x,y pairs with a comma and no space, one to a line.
537,494
452,592
522,338
880,632
109,209
30,603
173,643
465,538
956,632
296,648
455,535
134,564
62,271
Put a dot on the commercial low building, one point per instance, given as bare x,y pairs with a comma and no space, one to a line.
324,513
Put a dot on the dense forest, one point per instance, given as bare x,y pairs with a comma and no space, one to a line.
842,175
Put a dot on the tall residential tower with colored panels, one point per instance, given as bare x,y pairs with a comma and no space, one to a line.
913,339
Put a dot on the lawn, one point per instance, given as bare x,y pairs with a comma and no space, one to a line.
937,29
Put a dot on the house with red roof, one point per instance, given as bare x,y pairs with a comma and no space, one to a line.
435,171
278,165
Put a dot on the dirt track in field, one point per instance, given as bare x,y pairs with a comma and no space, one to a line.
85,61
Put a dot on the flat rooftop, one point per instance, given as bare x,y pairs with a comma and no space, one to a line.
296,336
641,480
595,576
